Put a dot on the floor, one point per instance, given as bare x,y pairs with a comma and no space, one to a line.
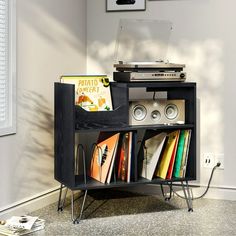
114,212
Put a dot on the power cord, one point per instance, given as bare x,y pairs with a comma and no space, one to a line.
208,185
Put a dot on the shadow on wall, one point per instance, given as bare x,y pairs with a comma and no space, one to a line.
101,58
55,21
35,151
108,53
204,65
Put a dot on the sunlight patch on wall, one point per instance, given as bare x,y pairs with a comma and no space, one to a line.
55,30
204,65
101,58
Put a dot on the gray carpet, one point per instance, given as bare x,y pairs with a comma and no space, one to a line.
115,212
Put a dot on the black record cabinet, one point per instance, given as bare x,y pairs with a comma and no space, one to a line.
72,124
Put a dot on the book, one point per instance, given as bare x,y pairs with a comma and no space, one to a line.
12,226
133,170
129,156
125,158
92,92
172,160
121,157
24,222
153,147
179,154
112,167
166,156
185,154
103,155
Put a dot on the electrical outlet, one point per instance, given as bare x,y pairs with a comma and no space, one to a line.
219,157
208,160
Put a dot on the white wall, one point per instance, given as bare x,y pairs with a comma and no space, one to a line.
51,41
204,39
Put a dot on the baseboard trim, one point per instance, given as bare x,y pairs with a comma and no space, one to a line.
50,196
214,192
30,204
217,192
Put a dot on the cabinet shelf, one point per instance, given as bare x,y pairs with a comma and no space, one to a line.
71,120
107,128
72,124
93,184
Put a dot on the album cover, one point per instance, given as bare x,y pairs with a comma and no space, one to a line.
173,156
166,156
23,222
103,156
179,154
185,154
153,148
92,92
124,157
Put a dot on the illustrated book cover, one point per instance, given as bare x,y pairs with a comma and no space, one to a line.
179,154
24,222
166,156
12,228
129,154
124,156
185,153
92,92
153,147
112,169
102,157
173,156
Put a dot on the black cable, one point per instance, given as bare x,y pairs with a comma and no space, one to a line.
208,185
154,96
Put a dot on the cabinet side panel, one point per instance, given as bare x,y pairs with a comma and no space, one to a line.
64,138
192,161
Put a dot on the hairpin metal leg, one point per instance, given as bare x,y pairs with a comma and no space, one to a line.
75,219
72,206
61,203
167,198
190,197
187,195
64,199
59,199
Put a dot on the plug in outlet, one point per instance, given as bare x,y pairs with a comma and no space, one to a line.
219,157
208,160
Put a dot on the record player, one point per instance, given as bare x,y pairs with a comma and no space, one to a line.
138,43
148,71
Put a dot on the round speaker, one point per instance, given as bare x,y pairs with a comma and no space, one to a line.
139,112
156,115
171,111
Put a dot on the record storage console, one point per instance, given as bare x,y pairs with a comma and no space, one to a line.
71,121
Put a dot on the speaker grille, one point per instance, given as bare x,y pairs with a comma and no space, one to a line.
171,111
156,115
160,111
139,112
